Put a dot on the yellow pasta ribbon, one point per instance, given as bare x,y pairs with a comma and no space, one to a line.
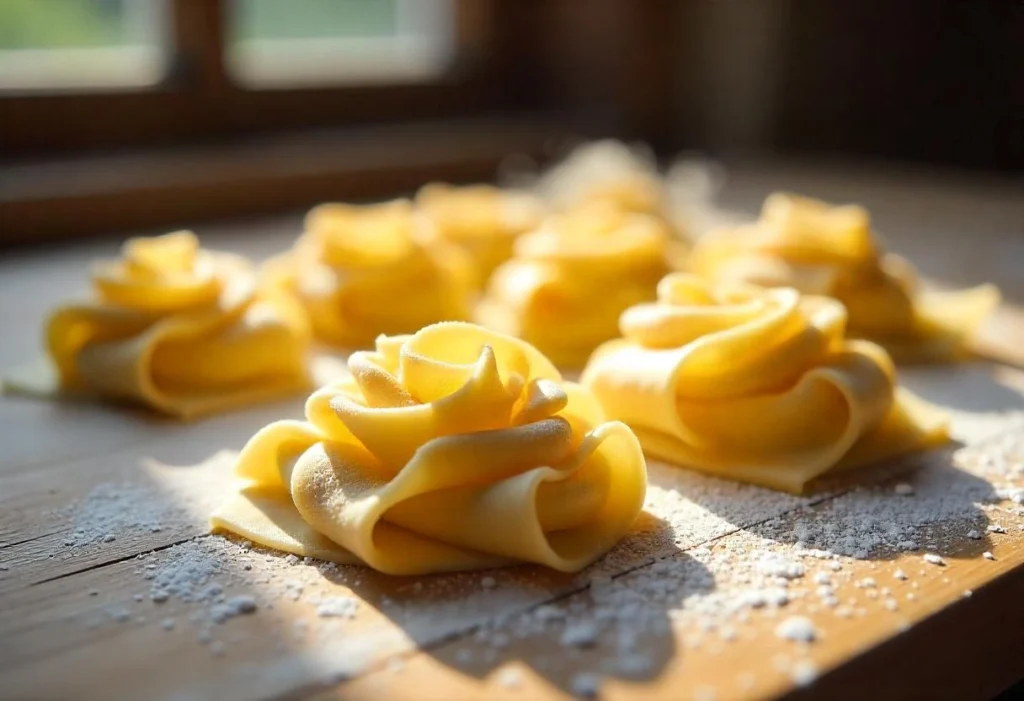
821,249
608,172
571,279
756,385
176,328
363,270
482,220
455,448
637,193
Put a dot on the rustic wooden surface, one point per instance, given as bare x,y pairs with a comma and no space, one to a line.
61,637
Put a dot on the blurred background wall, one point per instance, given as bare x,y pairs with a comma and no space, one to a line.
125,113
939,82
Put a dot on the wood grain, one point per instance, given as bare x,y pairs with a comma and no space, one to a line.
71,627
911,653
64,198
51,618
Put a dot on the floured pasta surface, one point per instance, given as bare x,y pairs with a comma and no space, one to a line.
569,280
612,173
176,328
820,249
451,449
482,220
363,270
756,385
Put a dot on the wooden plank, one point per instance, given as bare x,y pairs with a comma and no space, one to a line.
266,654
66,198
91,447
87,597
916,662
51,618
42,502
421,637
959,636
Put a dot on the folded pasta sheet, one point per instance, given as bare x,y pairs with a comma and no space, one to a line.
454,448
820,249
176,328
571,279
363,270
482,220
756,385
609,172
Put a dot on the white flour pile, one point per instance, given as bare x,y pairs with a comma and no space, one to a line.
112,509
204,571
177,504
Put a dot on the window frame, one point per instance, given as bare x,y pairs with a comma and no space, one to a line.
529,78
199,100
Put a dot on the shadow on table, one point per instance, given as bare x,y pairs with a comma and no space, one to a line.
860,513
921,503
567,629
971,387
526,614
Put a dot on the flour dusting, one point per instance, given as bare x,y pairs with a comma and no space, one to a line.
676,580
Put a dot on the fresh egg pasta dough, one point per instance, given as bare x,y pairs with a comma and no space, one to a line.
609,172
571,279
820,249
176,328
455,448
363,270
756,385
482,220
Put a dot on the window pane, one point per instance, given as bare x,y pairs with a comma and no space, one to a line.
285,43
81,43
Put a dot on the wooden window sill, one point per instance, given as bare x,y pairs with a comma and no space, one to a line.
52,199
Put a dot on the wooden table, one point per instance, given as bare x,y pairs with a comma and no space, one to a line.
691,605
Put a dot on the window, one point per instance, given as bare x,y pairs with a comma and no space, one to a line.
77,44
284,43
202,69
121,114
